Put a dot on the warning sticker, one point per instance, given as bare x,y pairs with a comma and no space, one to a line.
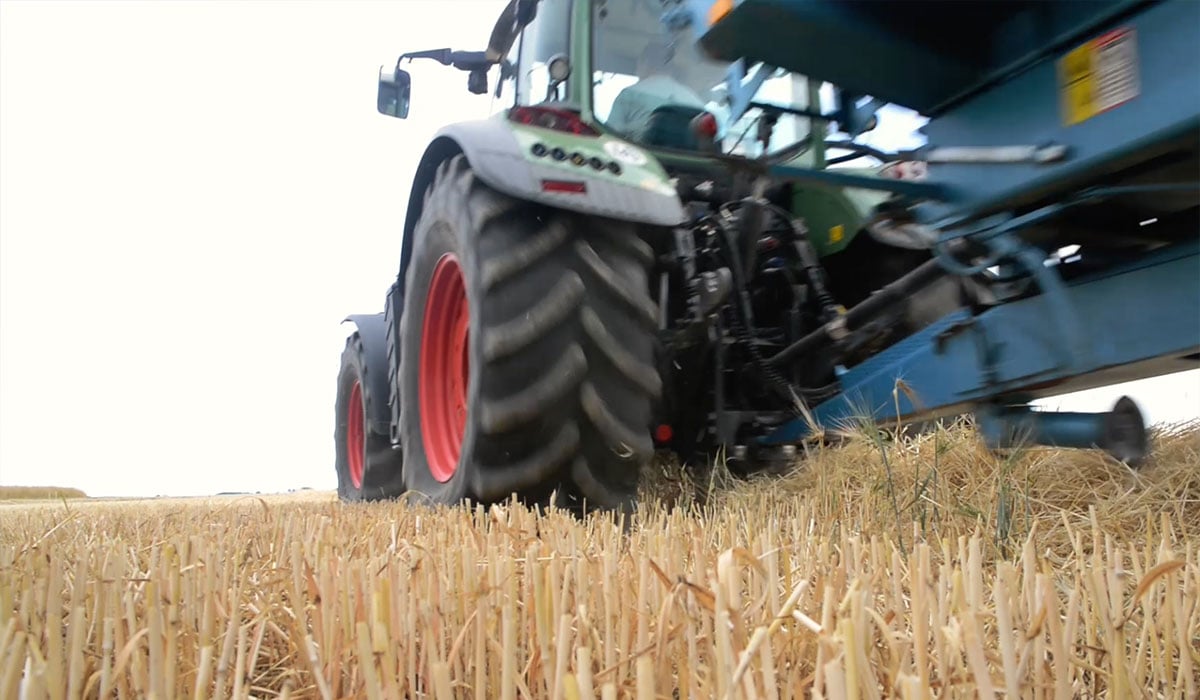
1098,76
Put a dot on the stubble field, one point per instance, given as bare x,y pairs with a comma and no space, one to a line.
914,569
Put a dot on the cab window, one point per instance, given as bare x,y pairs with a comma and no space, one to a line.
548,35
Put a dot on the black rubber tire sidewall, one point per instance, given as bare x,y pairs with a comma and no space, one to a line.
351,371
382,465
560,348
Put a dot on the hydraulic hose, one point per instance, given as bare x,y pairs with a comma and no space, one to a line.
743,323
751,227
887,297
751,224
811,264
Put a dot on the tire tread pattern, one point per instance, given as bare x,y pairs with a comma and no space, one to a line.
567,324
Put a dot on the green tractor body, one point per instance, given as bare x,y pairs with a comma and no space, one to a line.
583,283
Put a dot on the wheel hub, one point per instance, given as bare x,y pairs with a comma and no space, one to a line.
444,368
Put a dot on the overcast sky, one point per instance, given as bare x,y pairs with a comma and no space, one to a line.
192,196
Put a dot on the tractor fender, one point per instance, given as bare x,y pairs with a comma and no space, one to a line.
497,158
372,329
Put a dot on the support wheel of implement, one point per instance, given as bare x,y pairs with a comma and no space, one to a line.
526,361
367,467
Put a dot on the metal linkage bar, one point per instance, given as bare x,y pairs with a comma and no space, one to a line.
1141,321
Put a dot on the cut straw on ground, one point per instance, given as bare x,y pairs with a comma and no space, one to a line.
1042,575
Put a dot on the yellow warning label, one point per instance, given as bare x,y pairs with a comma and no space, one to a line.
1098,76
837,233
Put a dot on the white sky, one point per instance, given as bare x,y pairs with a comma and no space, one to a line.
192,196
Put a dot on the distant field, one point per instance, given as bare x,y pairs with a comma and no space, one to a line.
926,568
14,493
36,497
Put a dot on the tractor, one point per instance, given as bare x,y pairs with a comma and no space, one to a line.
672,235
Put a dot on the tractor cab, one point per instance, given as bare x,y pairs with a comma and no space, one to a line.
635,69
651,84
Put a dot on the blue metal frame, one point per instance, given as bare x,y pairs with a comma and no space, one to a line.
1027,109
1019,103
742,91
1141,321
1135,320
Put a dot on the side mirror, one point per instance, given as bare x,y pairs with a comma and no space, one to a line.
395,86
477,82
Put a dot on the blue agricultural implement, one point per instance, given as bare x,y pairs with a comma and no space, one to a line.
683,229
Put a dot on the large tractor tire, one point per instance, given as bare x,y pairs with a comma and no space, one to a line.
368,468
527,346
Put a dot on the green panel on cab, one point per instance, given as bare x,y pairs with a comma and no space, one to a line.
834,216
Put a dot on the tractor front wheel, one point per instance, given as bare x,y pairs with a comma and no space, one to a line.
526,364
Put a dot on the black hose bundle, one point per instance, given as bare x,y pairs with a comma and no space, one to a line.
803,246
743,327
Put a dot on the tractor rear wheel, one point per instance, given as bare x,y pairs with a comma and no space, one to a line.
527,358
368,468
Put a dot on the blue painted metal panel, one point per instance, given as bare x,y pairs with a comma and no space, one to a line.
840,42
1009,92
922,54
741,89
1137,313
1028,110
1025,106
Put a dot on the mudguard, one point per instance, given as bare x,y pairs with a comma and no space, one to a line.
501,154
373,330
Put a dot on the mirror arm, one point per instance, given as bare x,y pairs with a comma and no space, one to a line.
462,60
470,60
442,56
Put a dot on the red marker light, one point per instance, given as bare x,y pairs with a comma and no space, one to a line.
551,118
705,126
564,186
663,433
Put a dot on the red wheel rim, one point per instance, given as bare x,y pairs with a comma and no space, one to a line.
356,442
444,368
